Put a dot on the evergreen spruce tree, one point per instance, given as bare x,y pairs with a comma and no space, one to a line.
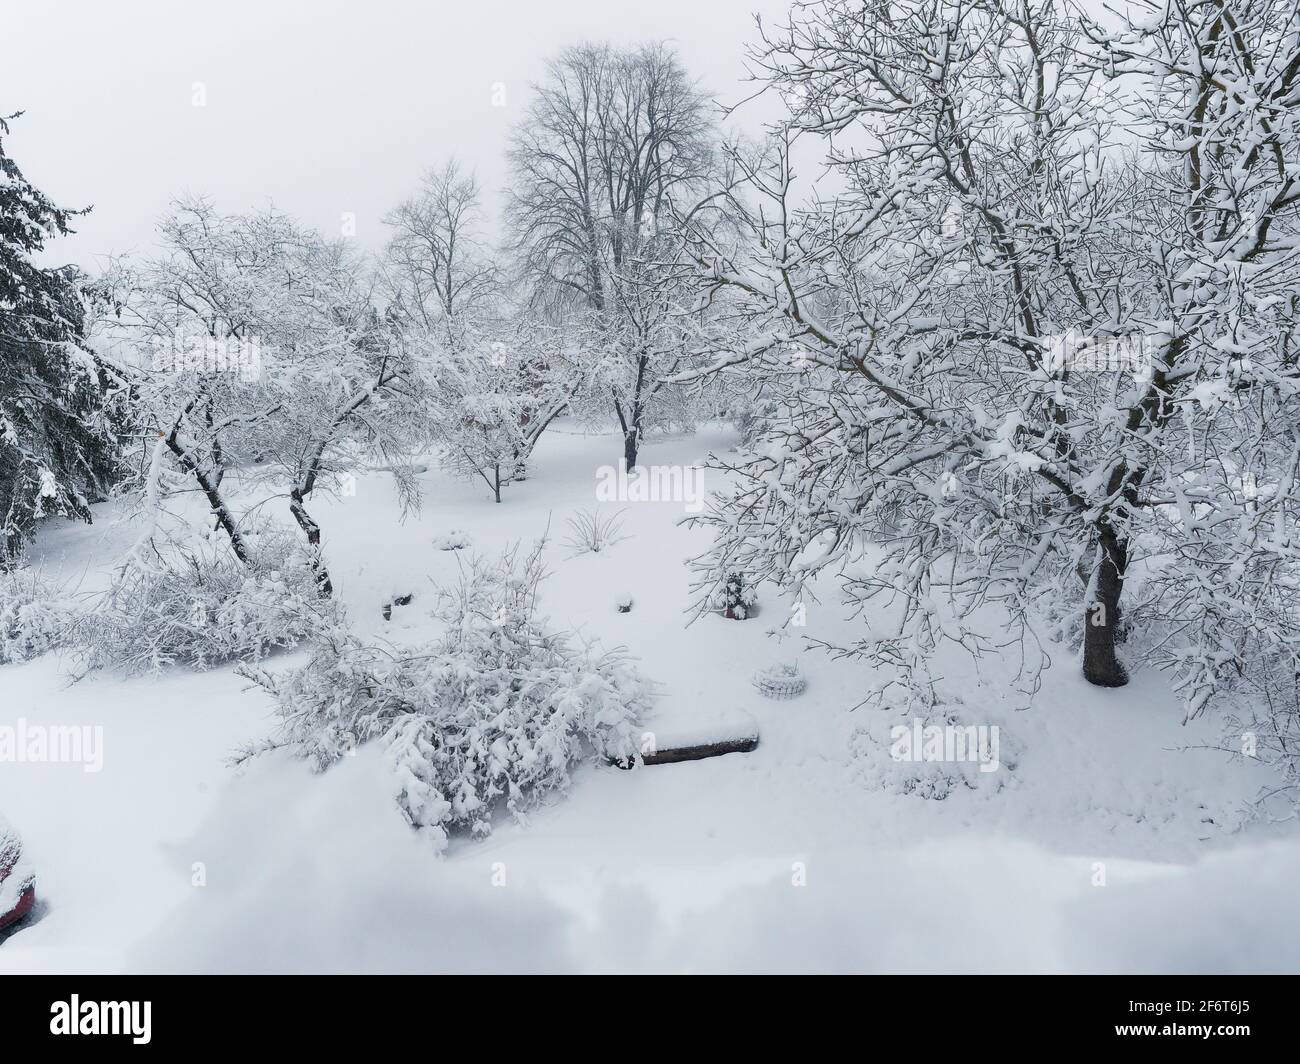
57,452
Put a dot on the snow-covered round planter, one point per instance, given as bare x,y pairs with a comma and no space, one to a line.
455,539
17,880
780,681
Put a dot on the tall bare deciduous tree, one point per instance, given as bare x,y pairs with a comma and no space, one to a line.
611,139
439,273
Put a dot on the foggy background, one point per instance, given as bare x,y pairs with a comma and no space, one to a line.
321,108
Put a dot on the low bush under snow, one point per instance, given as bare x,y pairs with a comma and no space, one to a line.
199,610
493,715
35,617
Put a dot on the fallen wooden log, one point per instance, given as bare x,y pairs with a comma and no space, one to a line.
671,755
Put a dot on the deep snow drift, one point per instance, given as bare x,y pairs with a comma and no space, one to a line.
1109,842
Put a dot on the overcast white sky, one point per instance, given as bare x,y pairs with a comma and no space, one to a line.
320,107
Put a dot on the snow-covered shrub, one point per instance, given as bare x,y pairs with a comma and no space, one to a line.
780,681
493,715
591,531
199,610
736,598
454,539
623,602
35,617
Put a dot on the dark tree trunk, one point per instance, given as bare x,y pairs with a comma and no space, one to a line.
630,420
1101,665
324,586
1101,626
211,491
309,468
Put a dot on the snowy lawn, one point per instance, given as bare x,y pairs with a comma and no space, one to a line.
1113,843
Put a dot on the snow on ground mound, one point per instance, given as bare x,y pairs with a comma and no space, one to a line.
367,897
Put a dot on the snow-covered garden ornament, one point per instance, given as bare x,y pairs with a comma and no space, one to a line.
736,598
780,681
395,599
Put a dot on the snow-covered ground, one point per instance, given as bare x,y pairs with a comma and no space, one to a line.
1114,843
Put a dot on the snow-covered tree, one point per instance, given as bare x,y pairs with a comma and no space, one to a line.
192,329
259,351
655,331
438,272
352,391
495,394
1034,358
610,139
496,377
58,453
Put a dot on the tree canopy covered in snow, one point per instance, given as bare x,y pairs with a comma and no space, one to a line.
1039,343
57,447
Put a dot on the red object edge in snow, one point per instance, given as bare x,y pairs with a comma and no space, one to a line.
26,900
9,854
